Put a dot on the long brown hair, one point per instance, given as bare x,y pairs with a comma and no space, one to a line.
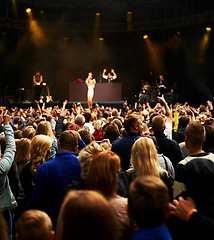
86,215
103,173
23,151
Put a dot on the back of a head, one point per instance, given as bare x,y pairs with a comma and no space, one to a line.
44,127
17,134
40,144
144,157
86,136
152,115
79,120
40,150
183,121
86,155
112,132
97,125
130,122
34,225
87,116
29,132
195,132
148,201
118,122
68,140
23,150
103,172
115,113
158,124
86,215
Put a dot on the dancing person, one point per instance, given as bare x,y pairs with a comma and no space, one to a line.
90,82
111,75
37,81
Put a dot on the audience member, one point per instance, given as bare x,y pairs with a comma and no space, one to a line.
34,225
98,133
53,176
102,176
123,146
148,204
194,177
7,199
86,136
86,215
144,161
112,132
40,150
168,147
28,132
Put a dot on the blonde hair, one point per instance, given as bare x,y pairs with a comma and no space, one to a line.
29,132
144,157
40,145
145,129
86,155
23,150
44,127
97,125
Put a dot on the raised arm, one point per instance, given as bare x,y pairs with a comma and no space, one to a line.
113,72
9,154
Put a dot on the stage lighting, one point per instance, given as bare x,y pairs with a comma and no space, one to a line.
208,29
101,39
179,33
145,36
97,14
28,10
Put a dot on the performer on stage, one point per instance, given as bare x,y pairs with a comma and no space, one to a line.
90,82
161,85
37,80
111,76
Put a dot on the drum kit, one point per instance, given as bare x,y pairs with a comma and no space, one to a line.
151,92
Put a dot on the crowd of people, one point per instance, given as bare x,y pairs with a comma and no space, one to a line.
145,172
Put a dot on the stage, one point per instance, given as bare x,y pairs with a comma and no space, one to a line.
28,104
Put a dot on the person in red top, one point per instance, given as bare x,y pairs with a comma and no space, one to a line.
98,132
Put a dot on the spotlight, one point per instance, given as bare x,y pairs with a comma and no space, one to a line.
28,10
179,33
97,14
145,36
208,29
101,39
